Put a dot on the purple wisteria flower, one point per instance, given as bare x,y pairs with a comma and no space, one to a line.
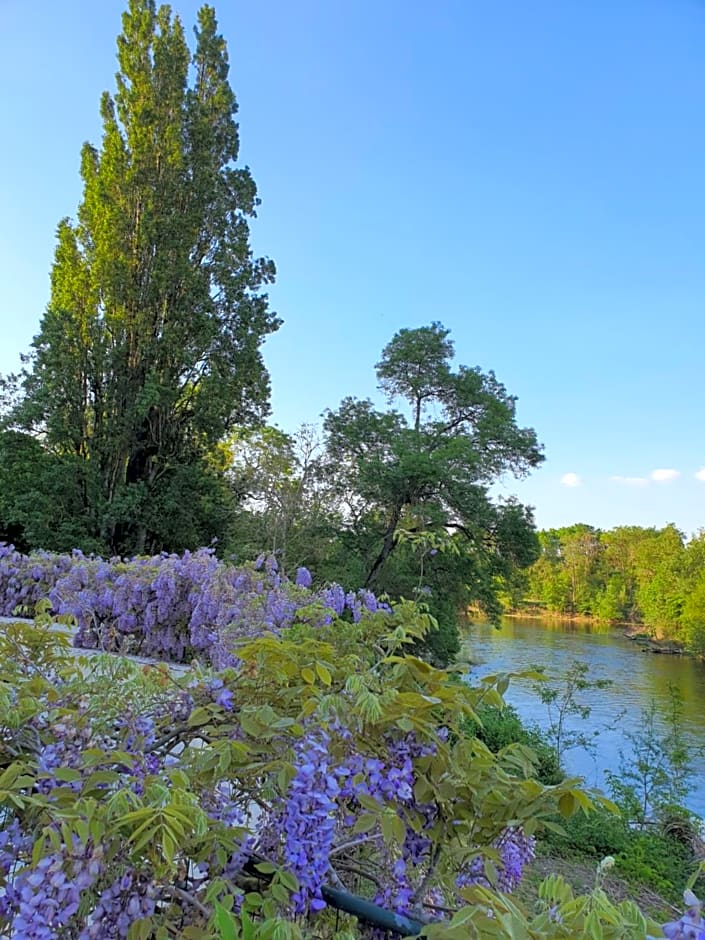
225,699
303,577
309,820
515,849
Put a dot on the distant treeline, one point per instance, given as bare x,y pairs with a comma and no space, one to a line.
629,574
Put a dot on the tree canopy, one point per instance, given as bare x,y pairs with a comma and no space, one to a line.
149,351
630,574
419,473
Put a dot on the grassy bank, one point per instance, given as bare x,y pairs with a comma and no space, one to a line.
653,861
580,873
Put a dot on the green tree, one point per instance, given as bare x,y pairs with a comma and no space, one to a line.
611,603
427,467
626,548
656,773
149,351
285,502
548,582
627,573
662,586
41,497
580,548
562,698
566,577
692,618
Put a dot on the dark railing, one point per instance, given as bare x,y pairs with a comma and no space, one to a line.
359,907
371,913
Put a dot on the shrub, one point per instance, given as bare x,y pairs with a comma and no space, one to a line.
500,727
595,835
136,800
655,860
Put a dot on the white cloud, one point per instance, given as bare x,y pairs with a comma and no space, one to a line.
630,481
571,479
662,475
665,476
700,475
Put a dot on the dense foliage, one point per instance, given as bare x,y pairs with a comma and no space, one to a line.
148,352
657,859
499,727
399,499
215,805
432,470
655,842
172,607
302,741
627,574
379,498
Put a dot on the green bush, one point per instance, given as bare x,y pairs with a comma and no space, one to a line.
646,858
503,726
597,835
657,861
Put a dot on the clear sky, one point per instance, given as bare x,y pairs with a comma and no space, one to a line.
530,174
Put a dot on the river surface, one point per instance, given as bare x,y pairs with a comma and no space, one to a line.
636,678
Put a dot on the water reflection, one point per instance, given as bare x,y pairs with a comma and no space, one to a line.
637,678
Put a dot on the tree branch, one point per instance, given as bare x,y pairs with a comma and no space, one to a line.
178,894
356,870
420,891
375,837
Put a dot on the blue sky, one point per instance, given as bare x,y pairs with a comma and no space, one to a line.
529,174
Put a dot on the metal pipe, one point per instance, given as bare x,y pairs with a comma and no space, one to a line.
371,913
352,904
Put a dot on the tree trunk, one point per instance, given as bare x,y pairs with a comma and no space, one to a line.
387,546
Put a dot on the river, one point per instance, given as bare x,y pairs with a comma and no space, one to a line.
636,678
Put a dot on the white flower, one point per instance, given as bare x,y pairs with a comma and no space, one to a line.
607,863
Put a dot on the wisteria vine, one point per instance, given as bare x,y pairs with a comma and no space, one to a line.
321,755
171,607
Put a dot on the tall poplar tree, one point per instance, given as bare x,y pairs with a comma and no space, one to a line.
149,351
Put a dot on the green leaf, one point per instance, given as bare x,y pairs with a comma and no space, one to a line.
593,928
567,804
141,929
405,724
67,774
249,929
399,829
324,674
369,802
198,717
99,777
365,823
289,881
279,893
225,923
250,725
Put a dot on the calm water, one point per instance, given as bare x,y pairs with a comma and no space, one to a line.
637,679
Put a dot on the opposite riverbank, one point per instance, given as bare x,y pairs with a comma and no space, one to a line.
647,642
